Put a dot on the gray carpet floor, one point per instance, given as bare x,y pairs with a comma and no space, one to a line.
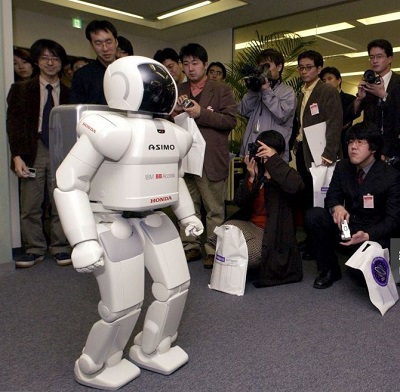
283,338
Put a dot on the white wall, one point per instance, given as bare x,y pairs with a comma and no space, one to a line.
29,26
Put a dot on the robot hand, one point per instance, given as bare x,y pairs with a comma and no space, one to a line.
87,256
192,225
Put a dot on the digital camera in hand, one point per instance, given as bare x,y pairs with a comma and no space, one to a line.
371,77
253,148
187,103
345,235
254,78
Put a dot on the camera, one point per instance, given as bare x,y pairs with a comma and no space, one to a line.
187,103
371,77
254,78
345,235
32,172
253,148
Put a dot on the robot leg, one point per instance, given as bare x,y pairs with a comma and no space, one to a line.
166,262
121,285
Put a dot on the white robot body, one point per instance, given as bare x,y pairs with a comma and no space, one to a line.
129,162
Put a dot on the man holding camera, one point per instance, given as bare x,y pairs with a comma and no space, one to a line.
212,105
379,96
268,104
364,193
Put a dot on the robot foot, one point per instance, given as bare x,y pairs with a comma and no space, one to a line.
164,363
109,378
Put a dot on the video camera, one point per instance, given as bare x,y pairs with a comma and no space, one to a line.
371,77
254,77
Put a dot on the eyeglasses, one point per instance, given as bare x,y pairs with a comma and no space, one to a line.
307,68
376,56
46,59
357,142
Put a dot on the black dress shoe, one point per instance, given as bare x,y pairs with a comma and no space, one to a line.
326,279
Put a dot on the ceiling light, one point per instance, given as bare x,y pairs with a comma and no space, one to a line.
364,54
100,7
325,29
317,31
380,18
182,10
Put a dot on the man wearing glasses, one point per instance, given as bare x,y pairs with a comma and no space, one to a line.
87,84
365,192
380,98
317,103
29,106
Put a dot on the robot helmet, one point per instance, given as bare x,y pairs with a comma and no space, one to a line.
139,84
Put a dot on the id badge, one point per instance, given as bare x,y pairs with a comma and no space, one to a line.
368,201
314,109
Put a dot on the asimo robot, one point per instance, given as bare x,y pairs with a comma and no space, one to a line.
125,160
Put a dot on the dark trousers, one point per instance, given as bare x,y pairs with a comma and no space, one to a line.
325,238
306,200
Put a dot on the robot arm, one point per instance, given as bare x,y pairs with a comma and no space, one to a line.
184,211
101,136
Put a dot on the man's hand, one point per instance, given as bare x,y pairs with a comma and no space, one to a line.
87,256
21,169
192,225
373,88
357,238
339,215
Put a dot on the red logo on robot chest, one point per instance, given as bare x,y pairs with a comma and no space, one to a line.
160,199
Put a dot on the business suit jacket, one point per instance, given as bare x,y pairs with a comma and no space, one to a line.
217,119
330,110
23,118
382,182
385,115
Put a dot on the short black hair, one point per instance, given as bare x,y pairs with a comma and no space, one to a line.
166,54
273,139
312,55
194,50
383,44
39,46
125,45
273,55
103,25
332,70
219,65
367,131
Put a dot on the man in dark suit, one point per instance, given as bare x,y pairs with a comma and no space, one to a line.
318,102
380,99
332,76
87,84
29,147
365,192
214,110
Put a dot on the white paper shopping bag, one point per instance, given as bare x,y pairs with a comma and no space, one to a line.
322,176
231,259
373,261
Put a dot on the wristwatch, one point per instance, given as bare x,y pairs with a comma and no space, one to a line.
385,97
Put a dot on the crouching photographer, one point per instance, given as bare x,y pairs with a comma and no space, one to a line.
266,200
269,103
364,193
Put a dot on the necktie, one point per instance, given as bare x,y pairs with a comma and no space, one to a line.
360,176
46,116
